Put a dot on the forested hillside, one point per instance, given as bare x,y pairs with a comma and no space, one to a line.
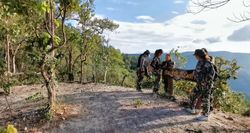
39,46
46,64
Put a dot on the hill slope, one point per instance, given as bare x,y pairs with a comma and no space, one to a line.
110,109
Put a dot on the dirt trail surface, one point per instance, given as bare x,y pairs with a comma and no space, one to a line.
111,109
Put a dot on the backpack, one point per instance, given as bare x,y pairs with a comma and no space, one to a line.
216,72
139,61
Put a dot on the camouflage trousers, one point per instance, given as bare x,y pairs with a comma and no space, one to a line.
199,102
168,85
204,94
157,82
140,77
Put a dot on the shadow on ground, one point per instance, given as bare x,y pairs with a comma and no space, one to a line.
107,113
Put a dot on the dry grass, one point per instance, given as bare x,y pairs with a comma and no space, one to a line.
64,111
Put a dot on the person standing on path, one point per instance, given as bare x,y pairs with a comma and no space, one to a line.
156,65
199,102
142,69
167,65
205,75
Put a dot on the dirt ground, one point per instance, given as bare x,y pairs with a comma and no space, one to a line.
100,108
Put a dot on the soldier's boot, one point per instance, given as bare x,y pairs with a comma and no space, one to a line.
191,111
202,118
139,88
172,98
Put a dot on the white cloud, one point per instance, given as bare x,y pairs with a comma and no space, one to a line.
110,8
241,34
210,29
178,1
99,16
131,3
145,18
175,12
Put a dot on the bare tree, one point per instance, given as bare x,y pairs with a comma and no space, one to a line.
202,5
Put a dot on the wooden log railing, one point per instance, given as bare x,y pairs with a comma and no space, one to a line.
180,74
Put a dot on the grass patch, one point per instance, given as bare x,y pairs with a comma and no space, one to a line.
138,103
36,97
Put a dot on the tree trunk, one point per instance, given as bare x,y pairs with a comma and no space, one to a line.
81,72
7,58
70,67
105,75
51,88
14,64
48,72
123,79
51,94
6,99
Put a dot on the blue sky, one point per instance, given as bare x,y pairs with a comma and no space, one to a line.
166,24
128,10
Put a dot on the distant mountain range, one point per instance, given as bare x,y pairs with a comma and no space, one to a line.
242,84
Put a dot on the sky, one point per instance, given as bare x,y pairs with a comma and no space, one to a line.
167,24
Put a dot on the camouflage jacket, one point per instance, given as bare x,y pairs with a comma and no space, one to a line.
204,73
167,65
156,63
143,63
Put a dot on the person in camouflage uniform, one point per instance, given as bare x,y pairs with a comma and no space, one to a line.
142,69
156,65
212,60
167,65
204,74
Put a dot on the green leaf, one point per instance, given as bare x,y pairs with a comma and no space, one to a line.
46,37
43,7
57,23
57,40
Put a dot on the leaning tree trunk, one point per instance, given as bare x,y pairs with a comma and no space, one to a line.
123,80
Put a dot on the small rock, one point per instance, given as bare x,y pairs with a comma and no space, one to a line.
229,118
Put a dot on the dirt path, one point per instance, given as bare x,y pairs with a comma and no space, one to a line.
110,109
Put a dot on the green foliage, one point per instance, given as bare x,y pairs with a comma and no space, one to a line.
233,102
81,52
36,97
8,129
247,113
178,58
48,115
138,102
183,88
3,130
224,97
